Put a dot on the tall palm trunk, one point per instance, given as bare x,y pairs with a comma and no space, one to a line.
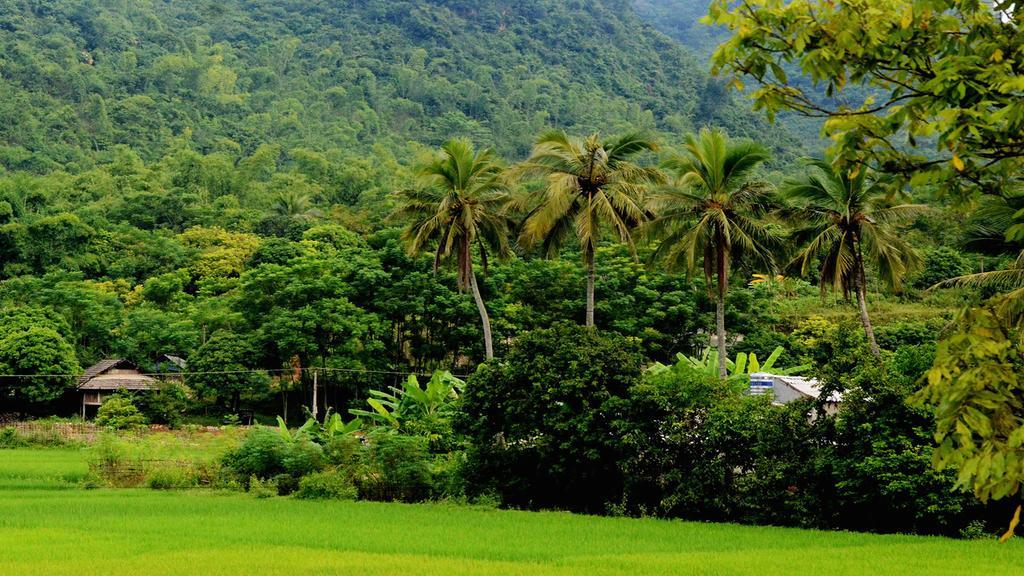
590,287
485,319
859,285
723,286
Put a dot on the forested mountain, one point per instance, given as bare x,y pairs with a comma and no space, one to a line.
212,180
80,77
680,19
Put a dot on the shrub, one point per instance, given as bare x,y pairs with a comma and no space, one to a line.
688,441
267,454
761,342
344,451
286,484
9,438
540,421
447,476
394,467
260,455
882,455
302,457
892,336
171,478
327,485
165,405
113,461
941,264
784,473
976,530
119,413
259,488
809,332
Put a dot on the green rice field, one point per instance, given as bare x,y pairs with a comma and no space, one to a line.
49,526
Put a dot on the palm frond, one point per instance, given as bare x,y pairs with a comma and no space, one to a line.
589,184
710,204
460,201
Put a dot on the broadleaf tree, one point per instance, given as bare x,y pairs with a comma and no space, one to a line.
975,388
926,89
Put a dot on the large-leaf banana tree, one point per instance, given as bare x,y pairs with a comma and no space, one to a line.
428,404
737,370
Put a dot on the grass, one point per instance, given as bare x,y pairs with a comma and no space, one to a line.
49,527
39,469
883,309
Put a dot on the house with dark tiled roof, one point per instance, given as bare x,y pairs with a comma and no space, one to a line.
109,376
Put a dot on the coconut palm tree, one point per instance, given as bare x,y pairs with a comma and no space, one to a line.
459,204
590,185
845,220
294,204
1009,304
712,213
996,226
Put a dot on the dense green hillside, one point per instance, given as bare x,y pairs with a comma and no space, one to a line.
212,180
80,77
680,19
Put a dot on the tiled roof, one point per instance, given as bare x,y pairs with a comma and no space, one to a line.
126,382
98,368
95,377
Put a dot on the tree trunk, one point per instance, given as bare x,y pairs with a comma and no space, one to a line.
723,287
284,404
484,318
862,304
316,409
590,287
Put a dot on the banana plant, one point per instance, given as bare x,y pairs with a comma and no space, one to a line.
740,369
440,392
412,401
305,432
332,427
754,366
385,408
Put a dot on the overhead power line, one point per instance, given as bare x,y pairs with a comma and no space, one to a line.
245,371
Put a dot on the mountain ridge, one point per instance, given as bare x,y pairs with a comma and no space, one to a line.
87,76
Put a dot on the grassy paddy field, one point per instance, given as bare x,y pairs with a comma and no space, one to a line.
50,527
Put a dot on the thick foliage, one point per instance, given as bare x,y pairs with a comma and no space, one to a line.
84,77
265,454
119,412
974,389
883,454
326,485
541,420
41,360
221,370
967,100
700,449
419,411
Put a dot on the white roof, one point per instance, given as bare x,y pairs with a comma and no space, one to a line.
809,387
